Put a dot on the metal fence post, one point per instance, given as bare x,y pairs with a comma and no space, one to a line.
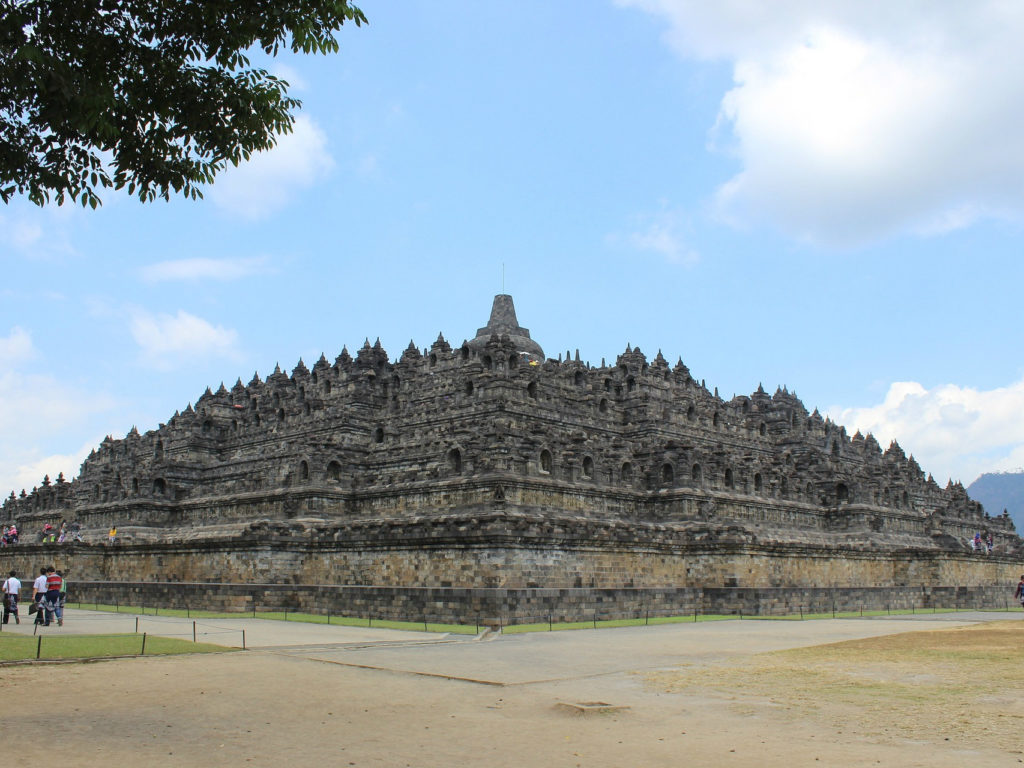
143,644
193,631
39,646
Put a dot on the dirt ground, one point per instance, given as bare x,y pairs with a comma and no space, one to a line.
942,697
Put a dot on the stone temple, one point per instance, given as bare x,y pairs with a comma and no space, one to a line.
486,478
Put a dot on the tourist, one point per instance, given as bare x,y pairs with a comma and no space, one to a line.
76,531
63,594
13,534
5,540
989,542
12,588
62,534
112,534
1019,593
53,608
39,596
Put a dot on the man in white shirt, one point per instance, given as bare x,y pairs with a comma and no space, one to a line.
39,595
12,588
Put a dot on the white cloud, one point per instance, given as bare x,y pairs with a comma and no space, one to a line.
39,404
15,347
35,408
20,472
855,120
203,269
290,75
38,233
166,341
268,180
660,233
954,432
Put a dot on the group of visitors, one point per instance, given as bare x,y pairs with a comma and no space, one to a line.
982,542
54,535
49,593
10,536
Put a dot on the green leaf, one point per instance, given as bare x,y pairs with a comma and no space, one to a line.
162,91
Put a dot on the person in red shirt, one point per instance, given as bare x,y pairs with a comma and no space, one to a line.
52,600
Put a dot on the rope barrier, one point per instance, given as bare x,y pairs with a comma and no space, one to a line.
643,616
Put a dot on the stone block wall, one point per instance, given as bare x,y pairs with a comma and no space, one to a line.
484,606
456,582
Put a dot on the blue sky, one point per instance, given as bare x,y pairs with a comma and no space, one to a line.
825,196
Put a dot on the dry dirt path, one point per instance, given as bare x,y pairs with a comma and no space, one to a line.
312,695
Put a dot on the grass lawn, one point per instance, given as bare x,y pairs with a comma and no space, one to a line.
309,618
471,629
17,647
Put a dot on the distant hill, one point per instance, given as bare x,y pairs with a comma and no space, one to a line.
999,491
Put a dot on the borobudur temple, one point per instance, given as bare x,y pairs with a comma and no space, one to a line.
488,479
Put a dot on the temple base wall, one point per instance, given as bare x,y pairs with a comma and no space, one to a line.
484,606
459,582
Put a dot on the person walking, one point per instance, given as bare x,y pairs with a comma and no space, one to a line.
53,608
12,588
63,595
1019,593
39,596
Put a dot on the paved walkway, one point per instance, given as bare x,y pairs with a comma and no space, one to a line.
519,659
514,659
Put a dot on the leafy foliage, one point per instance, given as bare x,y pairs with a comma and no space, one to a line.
156,96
